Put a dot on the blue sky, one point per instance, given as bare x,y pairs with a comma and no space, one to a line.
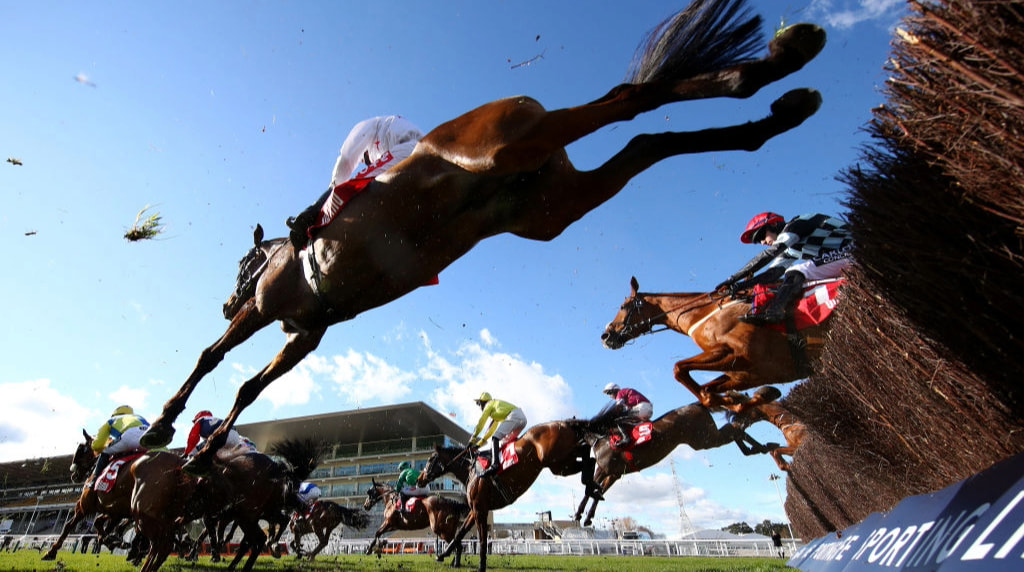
223,115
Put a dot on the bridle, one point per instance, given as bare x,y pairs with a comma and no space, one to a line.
633,306
245,285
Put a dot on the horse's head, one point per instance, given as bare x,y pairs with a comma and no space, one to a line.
250,268
83,460
635,318
374,494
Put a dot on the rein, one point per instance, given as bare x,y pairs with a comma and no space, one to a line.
644,327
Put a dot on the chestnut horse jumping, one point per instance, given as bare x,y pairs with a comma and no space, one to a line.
442,515
501,168
563,447
749,356
690,425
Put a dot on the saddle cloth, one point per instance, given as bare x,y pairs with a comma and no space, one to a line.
642,433
107,479
820,298
509,457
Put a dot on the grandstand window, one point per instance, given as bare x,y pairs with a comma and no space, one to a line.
345,470
389,446
321,473
378,468
346,490
425,443
343,450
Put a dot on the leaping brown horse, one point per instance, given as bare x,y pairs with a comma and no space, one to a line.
690,425
749,356
562,447
502,168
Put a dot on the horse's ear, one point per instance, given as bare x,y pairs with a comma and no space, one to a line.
88,437
257,235
634,284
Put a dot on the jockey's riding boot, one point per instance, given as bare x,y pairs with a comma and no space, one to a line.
782,305
587,477
402,498
300,223
626,431
495,457
101,463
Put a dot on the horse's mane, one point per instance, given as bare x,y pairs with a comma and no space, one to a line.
302,455
707,36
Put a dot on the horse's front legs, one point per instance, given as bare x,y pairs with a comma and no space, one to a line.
298,346
77,517
247,322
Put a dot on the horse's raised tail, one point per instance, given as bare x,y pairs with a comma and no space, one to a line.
354,518
706,36
303,455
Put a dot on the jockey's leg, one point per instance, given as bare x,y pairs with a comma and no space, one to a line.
782,305
495,457
101,463
300,223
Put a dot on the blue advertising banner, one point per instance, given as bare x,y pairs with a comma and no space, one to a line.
974,525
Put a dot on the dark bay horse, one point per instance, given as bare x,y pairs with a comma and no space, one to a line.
113,505
502,168
690,425
562,447
767,409
323,518
442,515
749,356
246,488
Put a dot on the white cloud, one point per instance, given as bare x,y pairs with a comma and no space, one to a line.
133,396
38,421
293,388
844,14
473,369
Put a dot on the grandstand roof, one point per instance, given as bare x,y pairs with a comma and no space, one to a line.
41,471
398,421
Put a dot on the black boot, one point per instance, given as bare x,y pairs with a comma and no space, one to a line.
627,435
495,458
587,478
101,463
300,224
782,305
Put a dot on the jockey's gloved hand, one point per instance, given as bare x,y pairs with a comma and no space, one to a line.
728,284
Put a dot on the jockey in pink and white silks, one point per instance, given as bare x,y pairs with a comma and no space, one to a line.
633,407
377,144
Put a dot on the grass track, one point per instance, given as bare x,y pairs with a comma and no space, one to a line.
29,561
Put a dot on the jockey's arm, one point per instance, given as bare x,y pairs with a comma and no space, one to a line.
102,436
755,264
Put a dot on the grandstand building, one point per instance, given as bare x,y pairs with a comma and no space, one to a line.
362,445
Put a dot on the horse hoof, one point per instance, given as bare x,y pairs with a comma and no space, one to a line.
48,556
796,45
796,106
197,467
158,435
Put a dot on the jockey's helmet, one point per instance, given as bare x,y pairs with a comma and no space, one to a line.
201,414
760,224
484,397
611,389
404,465
123,410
